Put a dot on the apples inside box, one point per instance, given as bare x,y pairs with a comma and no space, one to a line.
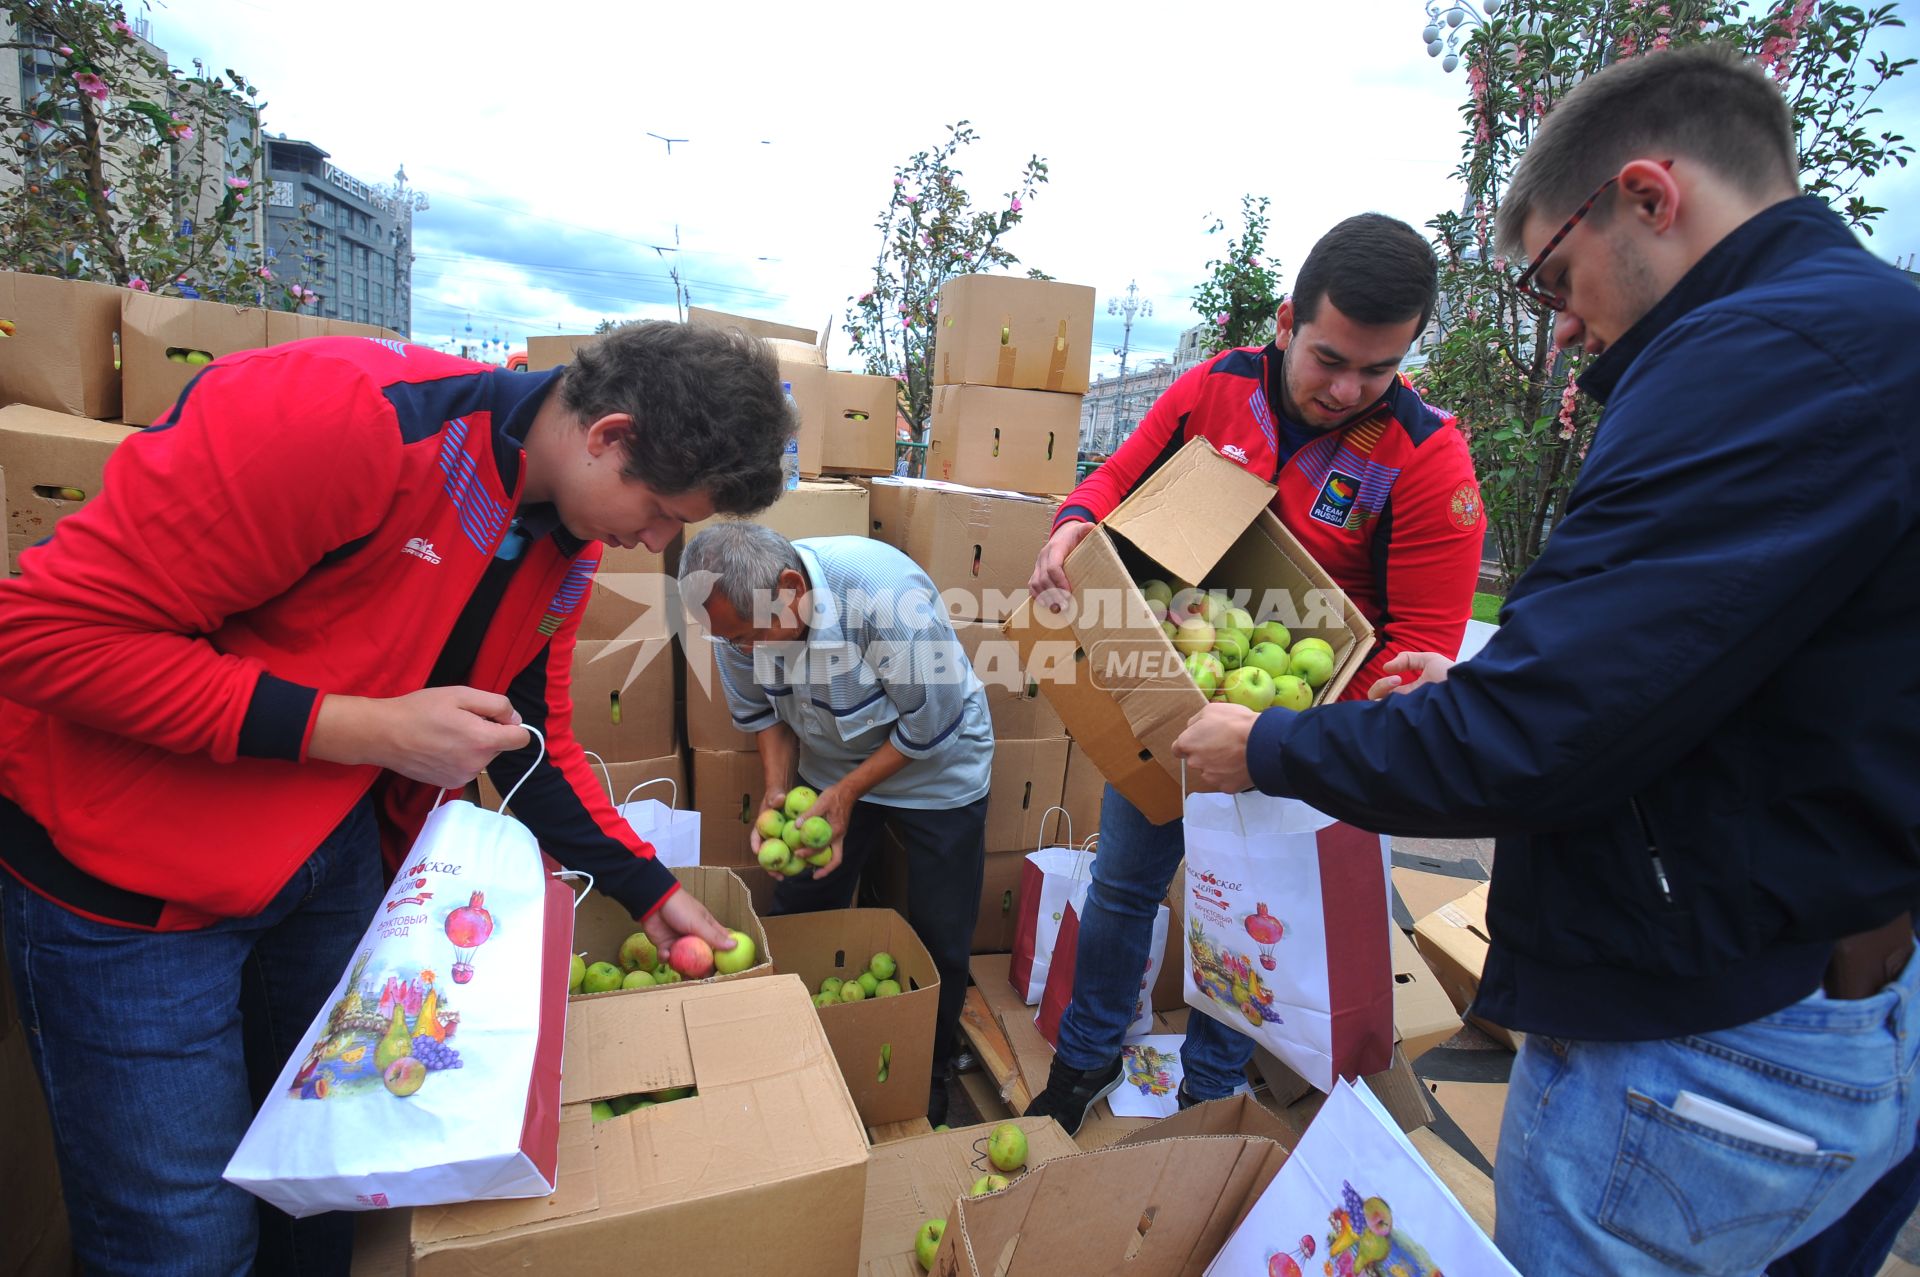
604,937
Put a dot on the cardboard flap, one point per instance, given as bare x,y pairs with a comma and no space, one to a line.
620,1045
1236,1115
1167,520
575,1192
913,1180
726,1037
766,329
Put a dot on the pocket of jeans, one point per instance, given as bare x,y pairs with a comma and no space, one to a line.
1705,1201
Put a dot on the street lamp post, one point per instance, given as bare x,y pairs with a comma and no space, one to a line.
1444,23
1134,305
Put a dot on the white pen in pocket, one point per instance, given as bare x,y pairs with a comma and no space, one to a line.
1732,1121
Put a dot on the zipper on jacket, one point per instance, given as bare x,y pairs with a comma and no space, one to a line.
1653,850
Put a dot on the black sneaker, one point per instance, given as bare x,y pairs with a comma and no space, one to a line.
1071,1093
1185,1097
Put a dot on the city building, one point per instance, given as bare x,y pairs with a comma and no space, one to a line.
350,241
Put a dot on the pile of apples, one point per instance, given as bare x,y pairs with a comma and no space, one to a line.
621,1105
791,840
1007,1150
1231,657
875,982
641,965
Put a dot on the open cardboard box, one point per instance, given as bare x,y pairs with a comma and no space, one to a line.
762,1169
1156,1209
1014,702
600,924
913,1180
1118,683
884,1045
55,464
58,336
1236,1115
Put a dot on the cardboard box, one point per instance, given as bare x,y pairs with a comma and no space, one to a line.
1117,682
629,595
1020,440
285,326
601,925
1236,1115
977,545
551,351
348,328
621,778
765,329
1157,1209
49,457
1476,1108
152,326
1018,710
727,789
803,366
1422,892
1423,1014
766,1165
884,1045
1083,793
1454,941
623,698
913,1180
710,725
1026,783
862,424
60,354
1399,1091
817,508
1021,334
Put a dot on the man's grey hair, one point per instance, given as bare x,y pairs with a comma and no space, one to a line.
743,563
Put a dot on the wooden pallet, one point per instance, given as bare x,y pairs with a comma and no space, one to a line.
990,1046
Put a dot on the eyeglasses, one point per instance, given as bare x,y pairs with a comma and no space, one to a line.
1554,301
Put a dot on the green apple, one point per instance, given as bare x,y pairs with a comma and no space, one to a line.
600,977
771,823
790,833
1272,632
199,357
638,951
1157,592
1193,635
602,1111
826,999
821,858
1320,643
799,798
815,832
1312,665
1250,687
1218,604
671,1093
625,1104
576,972
868,981
926,1243
774,854
853,991
1270,657
668,976
1007,1147
176,356
882,966
1206,670
794,867
943,1127
1231,647
1238,618
832,985
1291,693
1186,603
637,980
887,989
1169,629
988,1183
737,959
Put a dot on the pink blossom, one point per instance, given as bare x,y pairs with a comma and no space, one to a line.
180,130
1630,44
1015,206
66,50
1254,262
866,297
239,183
1222,319
138,285
266,273
911,199
899,181
91,85
121,28
1568,400
1661,39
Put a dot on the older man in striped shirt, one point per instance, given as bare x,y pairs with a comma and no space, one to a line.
837,654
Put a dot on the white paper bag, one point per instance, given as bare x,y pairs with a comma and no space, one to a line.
675,834
1048,879
1058,994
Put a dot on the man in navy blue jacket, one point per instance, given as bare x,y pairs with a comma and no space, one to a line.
1697,732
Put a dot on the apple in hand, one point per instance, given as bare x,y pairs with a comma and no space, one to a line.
795,866
692,957
821,858
1250,687
1291,693
737,959
774,854
1270,657
815,832
771,823
799,799
926,1243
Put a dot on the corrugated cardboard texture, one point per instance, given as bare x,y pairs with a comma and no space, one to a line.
1151,1210
703,317
978,546
1423,1014
60,355
862,424
807,383
150,326
623,697
710,723
1425,892
600,925
1023,334
550,352
1020,440
840,942
1454,941
629,594
1026,781
1083,793
1235,1115
913,1180
767,1159
1018,710
727,789
621,778
46,454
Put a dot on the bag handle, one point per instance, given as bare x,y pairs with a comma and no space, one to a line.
1238,816
538,735
673,789
1065,815
568,875
606,772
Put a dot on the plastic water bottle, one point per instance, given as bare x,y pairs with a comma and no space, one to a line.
790,459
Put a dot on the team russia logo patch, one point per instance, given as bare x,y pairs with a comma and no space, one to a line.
1465,509
1337,495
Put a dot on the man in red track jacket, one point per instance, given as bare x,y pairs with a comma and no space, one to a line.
339,576
1377,486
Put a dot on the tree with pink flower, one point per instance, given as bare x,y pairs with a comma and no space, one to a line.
1242,291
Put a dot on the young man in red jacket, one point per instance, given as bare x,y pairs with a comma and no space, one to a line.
1379,489
339,576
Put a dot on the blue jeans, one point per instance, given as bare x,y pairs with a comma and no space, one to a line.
155,1048
1597,1174
1130,879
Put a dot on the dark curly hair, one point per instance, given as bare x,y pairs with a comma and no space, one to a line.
708,409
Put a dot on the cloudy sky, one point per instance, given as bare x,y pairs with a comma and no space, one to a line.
527,127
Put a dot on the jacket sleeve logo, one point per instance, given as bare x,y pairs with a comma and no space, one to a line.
1466,507
1334,505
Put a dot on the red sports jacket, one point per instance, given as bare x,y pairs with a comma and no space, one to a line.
1387,504
310,518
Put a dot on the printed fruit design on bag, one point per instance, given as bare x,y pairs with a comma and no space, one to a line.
1149,1068
1266,931
389,1036
468,927
1363,1242
1286,1263
1228,976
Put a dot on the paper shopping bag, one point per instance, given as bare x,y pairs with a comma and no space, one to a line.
432,1074
1047,879
1066,952
1355,1197
675,834
1287,917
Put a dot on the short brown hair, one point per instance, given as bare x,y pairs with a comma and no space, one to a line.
1705,102
709,412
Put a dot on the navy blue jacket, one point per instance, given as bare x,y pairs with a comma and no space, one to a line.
1696,735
